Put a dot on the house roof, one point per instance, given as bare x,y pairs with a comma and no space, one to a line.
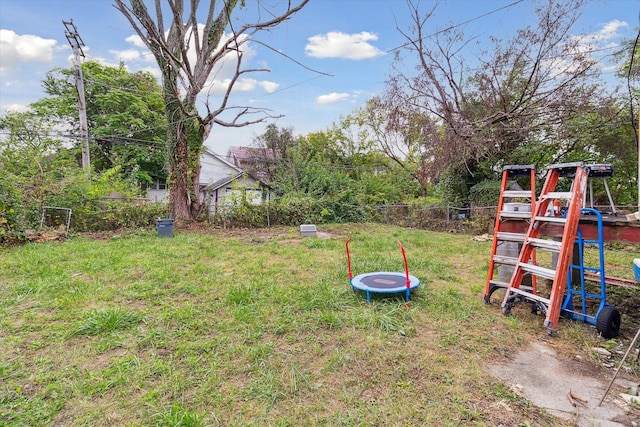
222,159
228,179
250,154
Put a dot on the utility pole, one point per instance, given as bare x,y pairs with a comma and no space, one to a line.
71,32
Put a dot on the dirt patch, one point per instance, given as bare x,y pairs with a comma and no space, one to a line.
556,383
45,236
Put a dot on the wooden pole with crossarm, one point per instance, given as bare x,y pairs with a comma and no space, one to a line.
71,32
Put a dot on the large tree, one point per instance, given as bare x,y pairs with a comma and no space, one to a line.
187,51
125,116
484,104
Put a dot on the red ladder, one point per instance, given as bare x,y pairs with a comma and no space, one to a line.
578,174
503,238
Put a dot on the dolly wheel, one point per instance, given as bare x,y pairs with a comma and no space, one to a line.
608,322
496,295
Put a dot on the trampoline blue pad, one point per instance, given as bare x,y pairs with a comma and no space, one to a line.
384,282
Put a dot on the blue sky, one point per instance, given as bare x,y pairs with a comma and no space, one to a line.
350,40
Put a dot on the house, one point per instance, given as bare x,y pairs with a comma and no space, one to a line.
220,182
232,189
158,192
223,182
258,162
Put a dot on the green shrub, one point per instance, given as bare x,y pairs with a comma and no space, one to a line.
293,210
124,214
26,201
485,193
19,209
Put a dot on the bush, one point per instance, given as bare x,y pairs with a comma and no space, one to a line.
485,193
290,210
124,214
19,211
23,201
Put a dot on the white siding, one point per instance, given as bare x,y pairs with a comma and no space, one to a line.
214,169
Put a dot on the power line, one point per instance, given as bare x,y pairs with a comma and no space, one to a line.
565,55
457,25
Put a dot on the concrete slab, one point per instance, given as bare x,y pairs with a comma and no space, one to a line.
545,380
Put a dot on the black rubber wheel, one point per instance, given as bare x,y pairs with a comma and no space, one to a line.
608,322
496,295
539,307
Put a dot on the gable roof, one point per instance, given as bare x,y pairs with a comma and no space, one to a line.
250,154
221,159
229,179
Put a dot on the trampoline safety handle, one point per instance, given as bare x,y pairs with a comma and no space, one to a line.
406,266
349,259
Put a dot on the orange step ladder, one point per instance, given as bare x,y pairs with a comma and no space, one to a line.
575,174
502,238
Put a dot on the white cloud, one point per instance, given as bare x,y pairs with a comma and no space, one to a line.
596,45
218,87
220,76
147,56
610,30
18,49
243,85
155,71
341,45
332,98
607,37
224,69
126,55
136,41
19,108
268,86
99,60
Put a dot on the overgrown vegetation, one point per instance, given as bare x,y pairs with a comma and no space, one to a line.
31,201
406,146
261,328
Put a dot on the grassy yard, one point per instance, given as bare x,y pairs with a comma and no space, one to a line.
260,327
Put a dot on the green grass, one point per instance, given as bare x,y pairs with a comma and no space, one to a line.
260,328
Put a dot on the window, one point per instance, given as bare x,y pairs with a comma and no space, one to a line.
159,184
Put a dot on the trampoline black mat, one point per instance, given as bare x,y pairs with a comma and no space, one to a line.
384,281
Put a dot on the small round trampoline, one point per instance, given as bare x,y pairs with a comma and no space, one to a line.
383,282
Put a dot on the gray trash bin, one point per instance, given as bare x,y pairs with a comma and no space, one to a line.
164,227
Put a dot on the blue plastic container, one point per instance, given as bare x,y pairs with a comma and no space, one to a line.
164,226
636,269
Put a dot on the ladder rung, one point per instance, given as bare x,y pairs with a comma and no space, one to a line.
506,260
522,291
513,214
516,193
552,245
556,219
536,270
499,283
511,237
506,285
565,195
